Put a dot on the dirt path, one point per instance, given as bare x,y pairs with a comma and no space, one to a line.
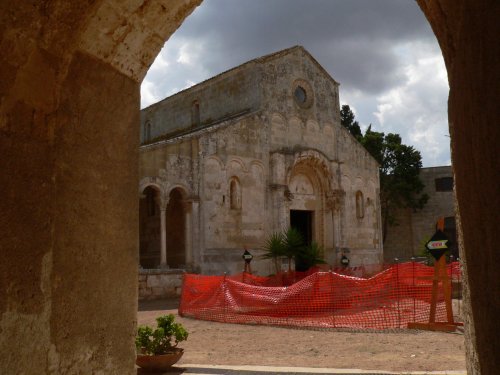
230,344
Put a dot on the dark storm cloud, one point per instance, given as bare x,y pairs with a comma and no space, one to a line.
382,52
340,34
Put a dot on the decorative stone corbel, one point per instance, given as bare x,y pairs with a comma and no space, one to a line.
335,199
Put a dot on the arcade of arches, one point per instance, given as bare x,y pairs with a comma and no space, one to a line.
69,114
162,226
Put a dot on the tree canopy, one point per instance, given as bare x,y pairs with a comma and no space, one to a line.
400,183
347,121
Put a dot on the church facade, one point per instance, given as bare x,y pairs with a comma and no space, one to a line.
250,152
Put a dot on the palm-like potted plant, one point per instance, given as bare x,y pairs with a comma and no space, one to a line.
274,249
157,349
290,244
308,257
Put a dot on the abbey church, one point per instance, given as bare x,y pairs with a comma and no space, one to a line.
246,153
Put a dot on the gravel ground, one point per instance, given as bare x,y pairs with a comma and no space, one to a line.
212,343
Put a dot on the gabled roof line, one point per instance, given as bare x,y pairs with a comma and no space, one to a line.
258,60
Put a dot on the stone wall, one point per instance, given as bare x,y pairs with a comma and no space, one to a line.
413,229
69,109
220,97
158,284
263,153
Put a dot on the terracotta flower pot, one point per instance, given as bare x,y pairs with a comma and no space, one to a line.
159,362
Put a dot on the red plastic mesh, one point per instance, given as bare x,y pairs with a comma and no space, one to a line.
390,299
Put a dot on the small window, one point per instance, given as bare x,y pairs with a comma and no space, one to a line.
195,113
300,94
235,194
444,184
360,205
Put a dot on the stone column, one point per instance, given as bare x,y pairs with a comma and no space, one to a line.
163,238
188,233
195,242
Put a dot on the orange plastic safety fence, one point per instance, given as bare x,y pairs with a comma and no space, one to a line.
391,299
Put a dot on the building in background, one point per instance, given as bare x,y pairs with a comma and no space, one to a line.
249,152
414,228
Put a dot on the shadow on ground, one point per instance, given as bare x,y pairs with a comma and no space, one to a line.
161,304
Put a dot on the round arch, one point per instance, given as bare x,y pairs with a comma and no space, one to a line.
308,184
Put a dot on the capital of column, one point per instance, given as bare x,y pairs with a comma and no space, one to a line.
163,203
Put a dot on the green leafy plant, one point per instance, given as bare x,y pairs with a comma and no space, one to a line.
293,242
163,339
274,249
290,244
309,256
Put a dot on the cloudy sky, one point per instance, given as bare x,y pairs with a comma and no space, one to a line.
382,52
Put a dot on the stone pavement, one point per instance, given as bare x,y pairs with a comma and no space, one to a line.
268,370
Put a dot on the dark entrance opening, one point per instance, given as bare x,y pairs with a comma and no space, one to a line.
302,221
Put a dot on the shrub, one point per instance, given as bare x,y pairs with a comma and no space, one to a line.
163,339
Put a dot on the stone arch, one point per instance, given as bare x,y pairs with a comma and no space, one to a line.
215,160
328,131
317,161
237,164
181,187
312,126
278,119
309,183
257,164
106,45
151,181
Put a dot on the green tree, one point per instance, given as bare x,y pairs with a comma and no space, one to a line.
400,184
348,122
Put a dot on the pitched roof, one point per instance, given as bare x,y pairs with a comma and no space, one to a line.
258,60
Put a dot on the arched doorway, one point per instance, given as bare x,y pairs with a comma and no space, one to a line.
176,229
307,188
304,206
149,228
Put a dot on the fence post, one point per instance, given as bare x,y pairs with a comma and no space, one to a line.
451,279
224,290
398,296
332,297
414,288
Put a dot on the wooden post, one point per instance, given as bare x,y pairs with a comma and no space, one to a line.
440,275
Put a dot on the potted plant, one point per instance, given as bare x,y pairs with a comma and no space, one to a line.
290,244
157,349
